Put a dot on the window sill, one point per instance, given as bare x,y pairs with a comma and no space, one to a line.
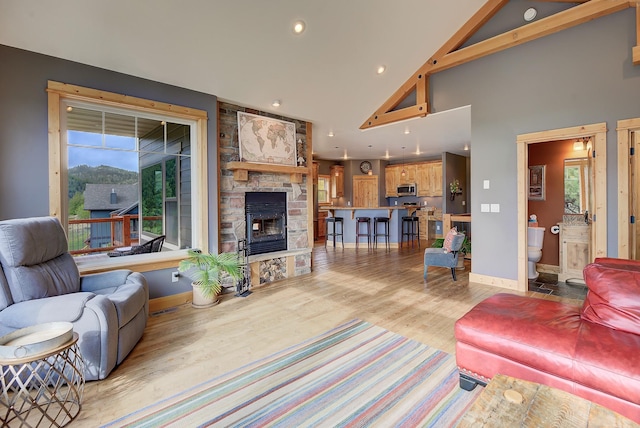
139,263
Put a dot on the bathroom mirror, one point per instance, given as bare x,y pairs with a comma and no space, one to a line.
576,185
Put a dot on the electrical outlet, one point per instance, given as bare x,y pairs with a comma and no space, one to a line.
174,276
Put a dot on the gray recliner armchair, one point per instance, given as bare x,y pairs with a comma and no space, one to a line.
40,282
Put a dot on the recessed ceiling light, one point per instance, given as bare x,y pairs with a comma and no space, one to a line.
276,103
298,27
407,131
330,134
381,69
530,14
466,147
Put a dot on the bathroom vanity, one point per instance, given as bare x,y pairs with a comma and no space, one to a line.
574,248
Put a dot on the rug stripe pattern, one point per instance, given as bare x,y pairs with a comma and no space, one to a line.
355,375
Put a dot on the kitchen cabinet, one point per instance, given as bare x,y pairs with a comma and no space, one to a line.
574,250
423,182
337,181
435,179
391,180
410,174
322,225
426,175
365,191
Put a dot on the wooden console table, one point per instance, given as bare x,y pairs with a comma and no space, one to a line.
540,405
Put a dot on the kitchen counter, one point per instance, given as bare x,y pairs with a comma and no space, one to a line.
395,214
390,209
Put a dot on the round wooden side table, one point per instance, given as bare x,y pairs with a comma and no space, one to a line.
43,389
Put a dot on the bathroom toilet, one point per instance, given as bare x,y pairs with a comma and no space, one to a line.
535,237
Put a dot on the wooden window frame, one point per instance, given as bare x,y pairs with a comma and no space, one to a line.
57,92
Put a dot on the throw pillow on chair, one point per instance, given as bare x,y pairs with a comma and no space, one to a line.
448,240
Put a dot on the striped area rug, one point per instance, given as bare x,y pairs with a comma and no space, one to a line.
357,375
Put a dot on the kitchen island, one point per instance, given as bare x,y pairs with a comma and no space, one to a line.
349,214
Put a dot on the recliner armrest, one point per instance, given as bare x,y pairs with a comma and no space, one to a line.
98,281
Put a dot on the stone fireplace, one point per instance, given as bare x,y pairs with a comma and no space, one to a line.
279,252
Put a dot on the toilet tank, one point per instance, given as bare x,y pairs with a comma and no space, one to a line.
535,236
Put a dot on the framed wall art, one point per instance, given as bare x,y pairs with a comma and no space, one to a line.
536,183
264,139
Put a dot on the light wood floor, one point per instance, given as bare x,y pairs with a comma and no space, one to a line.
182,347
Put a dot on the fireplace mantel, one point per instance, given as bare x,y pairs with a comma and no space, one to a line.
241,170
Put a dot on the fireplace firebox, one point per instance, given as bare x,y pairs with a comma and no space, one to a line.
266,215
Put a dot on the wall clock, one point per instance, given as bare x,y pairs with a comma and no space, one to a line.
365,167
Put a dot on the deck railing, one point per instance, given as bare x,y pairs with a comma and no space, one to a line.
106,233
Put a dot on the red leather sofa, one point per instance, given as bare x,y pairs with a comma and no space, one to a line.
592,351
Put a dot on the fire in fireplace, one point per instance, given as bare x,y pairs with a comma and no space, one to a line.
266,215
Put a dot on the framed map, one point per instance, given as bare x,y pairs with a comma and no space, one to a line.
266,140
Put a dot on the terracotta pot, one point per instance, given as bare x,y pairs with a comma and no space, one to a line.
200,301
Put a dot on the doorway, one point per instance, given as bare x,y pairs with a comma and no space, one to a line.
598,239
628,189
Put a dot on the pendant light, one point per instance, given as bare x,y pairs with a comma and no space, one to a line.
370,172
403,173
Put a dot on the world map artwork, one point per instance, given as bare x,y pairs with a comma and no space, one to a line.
266,140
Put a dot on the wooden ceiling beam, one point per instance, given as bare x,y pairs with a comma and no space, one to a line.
419,110
577,15
419,80
447,56
562,1
636,48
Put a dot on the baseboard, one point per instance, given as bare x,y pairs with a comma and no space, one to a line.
511,284
165,302
547,268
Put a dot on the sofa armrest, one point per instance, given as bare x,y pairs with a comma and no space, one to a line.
98,281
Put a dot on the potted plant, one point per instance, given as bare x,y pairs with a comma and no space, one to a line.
206,272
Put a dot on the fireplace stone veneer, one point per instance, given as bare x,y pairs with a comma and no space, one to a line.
233,222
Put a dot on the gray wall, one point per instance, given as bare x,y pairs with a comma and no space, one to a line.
581,75
24,164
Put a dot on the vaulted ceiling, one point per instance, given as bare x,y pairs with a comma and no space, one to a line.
244,51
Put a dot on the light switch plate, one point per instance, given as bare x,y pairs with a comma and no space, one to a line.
495,208
484,208
486,184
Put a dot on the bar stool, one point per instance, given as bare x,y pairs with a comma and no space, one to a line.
367,222
410,229
376,233
334,221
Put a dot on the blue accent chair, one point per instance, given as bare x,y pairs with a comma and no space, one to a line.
438,256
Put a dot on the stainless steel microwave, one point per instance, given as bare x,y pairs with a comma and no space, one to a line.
406,190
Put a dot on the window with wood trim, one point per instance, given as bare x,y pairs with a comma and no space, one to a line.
125,171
